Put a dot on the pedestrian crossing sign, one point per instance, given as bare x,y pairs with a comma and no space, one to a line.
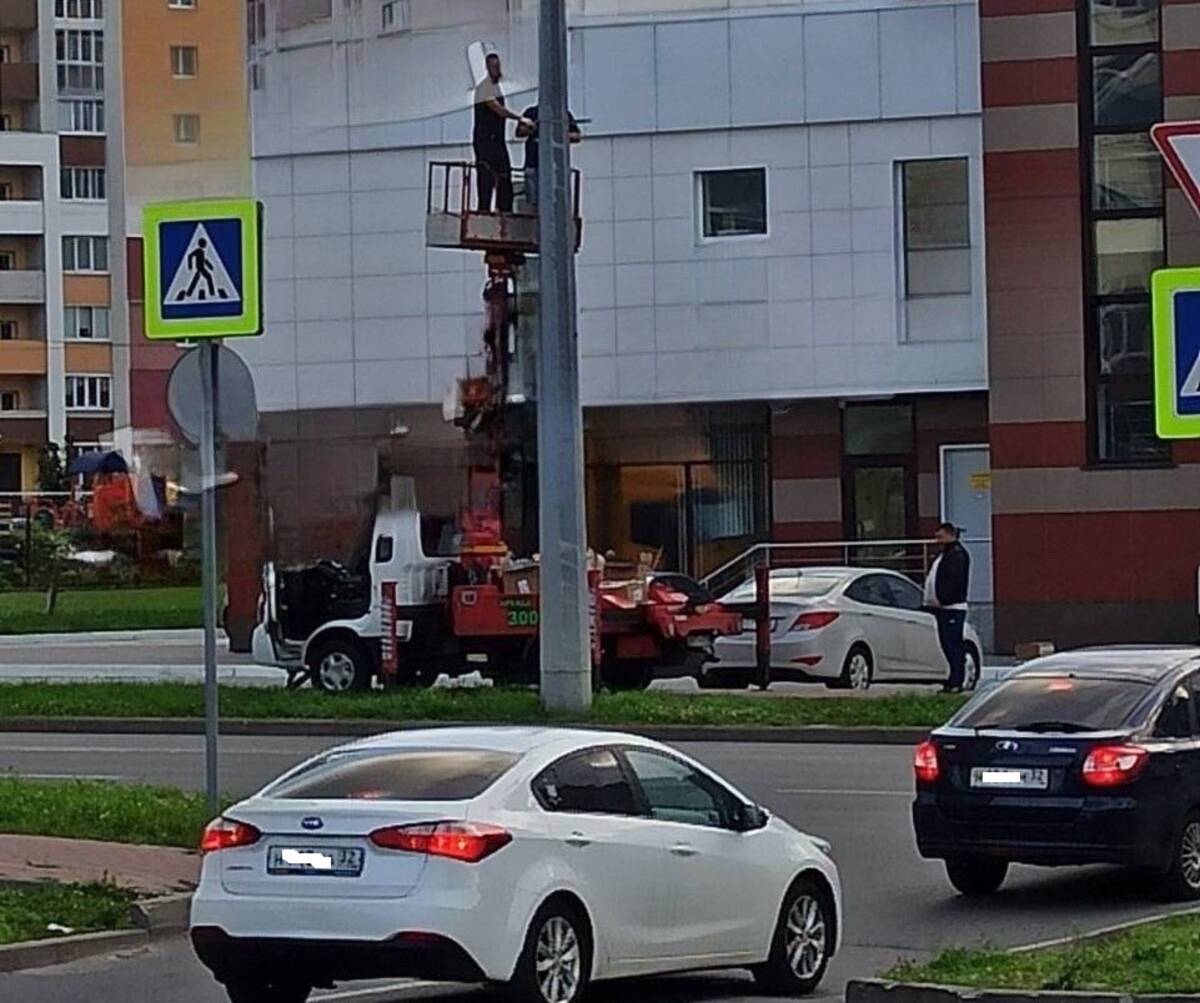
202,263
1175,294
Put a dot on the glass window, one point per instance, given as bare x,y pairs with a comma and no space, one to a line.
874,429
1124,330
187,128
82,183
591,782
1125,420
905,595
89,323
1126,89
85,254
1175,718
181,4
8,330
1127,252
80,60
384,549
185,60
89,393
675,792
8,261
937,227
1054,703
1124,22
396,775
873,590
81,115
790,585
10,400
1127,173
734,203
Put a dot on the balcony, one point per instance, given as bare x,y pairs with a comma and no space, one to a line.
22,287
23,216
18,81
19,15
24,357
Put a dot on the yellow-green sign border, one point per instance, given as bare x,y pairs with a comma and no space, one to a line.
246,324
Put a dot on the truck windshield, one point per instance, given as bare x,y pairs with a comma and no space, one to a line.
396,775
1049,704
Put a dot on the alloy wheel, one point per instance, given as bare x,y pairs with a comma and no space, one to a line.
971,673
805,940
559,961
1189,855
336,672
860,671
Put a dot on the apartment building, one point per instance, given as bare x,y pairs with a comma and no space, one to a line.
103,106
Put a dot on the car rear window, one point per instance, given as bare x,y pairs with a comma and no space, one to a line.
396,775
1054,704
798,587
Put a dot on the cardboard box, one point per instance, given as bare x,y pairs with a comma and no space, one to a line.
522,581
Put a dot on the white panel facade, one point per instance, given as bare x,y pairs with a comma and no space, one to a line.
828,102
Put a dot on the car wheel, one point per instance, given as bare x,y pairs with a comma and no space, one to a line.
1182,881
976,876
556,962
340,665
858,670
241,991
804,936
972,668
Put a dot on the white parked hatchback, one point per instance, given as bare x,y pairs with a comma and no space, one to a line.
540,858
845,627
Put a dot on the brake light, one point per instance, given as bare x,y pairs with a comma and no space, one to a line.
814,621
469,842
227,834
1113,765
925,762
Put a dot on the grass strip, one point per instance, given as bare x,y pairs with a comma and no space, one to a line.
1161,957
27,910
500,705
166,608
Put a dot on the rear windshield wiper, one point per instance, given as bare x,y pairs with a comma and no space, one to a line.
1039,726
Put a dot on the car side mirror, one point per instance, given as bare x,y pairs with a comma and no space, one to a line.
750,817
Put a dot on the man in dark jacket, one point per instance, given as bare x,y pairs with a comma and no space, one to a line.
493,170
946,598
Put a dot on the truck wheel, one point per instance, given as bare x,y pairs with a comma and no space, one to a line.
340,665
626,675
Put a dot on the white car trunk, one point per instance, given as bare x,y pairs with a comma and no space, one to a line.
294,858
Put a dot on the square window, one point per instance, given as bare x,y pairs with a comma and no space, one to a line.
1127,251
8,330
187,128
1126,89
1124,332
10,400
877,429
733,203
8,261
1125,421
1124,22
185,60
1126,173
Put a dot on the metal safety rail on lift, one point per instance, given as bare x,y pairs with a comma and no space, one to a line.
454,221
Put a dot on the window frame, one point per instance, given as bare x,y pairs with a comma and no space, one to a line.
901,184
8,329
177,120
872,577
14,396
87,115
178,58
84,380
71,330
6,191
92,66
181,4
92,242
11,258
62,10
701,211
96,181
708,780
1093,300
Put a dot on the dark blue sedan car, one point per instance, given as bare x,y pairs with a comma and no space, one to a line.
1083,757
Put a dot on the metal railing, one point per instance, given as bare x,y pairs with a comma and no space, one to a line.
911,557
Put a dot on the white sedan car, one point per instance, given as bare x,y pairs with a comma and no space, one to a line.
846,627
540,858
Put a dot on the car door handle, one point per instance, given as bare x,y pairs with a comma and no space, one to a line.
578,839
683,850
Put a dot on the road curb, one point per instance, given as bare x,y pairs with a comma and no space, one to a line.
354,728
60,950
883,991
163,915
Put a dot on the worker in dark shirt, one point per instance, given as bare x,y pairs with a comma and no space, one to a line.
527,130
493,169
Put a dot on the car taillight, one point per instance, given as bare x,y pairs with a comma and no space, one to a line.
925,762
1113,765
814,621
469,842
226,834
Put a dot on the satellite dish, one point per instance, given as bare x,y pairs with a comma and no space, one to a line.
237,406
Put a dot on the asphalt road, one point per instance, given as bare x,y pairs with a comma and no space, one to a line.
897,905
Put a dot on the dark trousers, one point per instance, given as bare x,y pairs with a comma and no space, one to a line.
950,624
493,173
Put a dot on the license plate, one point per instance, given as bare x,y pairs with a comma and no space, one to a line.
335,862
1011,778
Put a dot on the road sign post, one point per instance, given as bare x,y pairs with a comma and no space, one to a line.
202,268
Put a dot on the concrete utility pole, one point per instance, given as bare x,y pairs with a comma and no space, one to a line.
566,658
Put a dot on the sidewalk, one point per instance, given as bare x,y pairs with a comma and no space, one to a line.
156,870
